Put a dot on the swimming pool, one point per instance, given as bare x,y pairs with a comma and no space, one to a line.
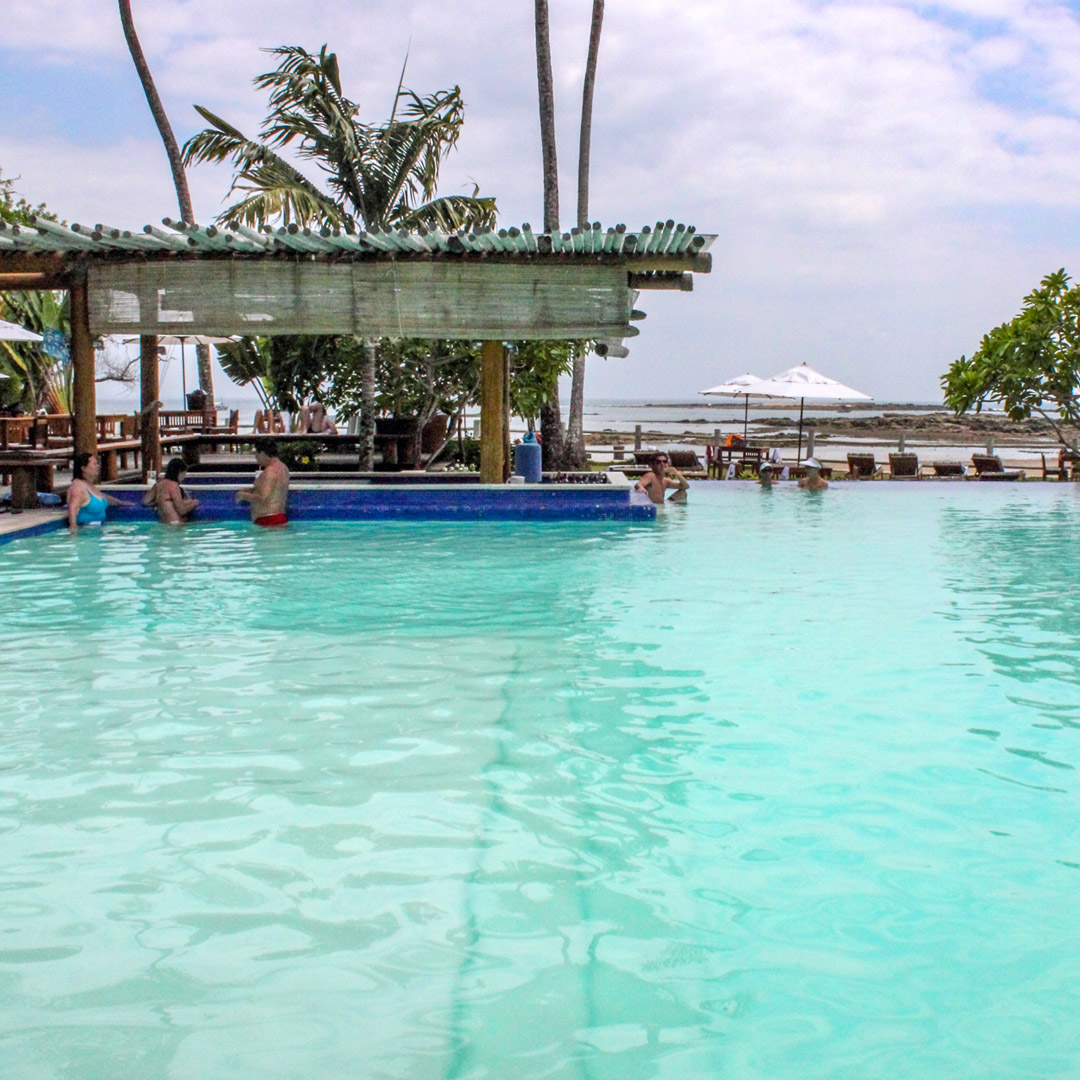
779,785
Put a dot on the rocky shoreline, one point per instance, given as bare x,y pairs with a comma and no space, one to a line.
934,426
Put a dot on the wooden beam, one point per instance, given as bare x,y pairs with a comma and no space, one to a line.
149,395
34,281
679,282
27,262
492,421
83,390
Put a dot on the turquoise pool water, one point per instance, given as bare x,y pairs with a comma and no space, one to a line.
781,785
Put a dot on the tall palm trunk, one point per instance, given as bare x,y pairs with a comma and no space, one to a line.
575,455
172,151
367,406
551,432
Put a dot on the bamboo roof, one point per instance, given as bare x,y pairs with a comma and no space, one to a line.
502,284
664,241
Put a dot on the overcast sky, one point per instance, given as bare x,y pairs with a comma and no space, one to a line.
887,179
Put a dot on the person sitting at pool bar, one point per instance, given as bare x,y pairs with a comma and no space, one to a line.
86,501
661,477
314,421
268,423
168,498
270,492
813,480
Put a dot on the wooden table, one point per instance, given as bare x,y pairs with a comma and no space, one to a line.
31,471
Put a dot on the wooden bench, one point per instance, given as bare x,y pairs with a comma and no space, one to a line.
400,445
114,453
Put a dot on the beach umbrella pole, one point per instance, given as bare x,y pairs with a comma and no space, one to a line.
798,452
745,415
183,376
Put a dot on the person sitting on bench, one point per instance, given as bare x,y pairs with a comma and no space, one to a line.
314,421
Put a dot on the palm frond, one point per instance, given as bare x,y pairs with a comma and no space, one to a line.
449,213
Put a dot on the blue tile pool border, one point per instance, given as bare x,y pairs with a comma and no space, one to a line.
547,502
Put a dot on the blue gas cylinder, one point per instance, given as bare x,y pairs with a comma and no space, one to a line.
528,455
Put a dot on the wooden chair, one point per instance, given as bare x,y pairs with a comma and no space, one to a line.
904,466
861,466
1058,472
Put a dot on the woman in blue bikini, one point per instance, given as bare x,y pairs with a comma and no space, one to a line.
86,501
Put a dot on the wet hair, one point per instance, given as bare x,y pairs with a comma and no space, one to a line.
79,463
266,446
175,467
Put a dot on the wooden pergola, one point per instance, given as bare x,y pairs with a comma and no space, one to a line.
494,286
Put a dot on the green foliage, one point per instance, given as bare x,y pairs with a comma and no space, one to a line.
34,379
535,367
300,456
284,370
377,174
1028,365
15,210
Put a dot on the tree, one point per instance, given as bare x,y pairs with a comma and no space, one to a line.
34,379
377,175
1030,364
575,455
550,414
172,151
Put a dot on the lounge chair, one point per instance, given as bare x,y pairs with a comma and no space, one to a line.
861,466
904,466
989,467
949,468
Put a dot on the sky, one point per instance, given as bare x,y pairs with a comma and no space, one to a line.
887,179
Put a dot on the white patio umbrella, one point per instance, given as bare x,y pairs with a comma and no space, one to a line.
744,386
13,332
806,384
182,340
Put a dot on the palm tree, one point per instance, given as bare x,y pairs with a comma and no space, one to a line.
376,175
574,454
550,416
172,151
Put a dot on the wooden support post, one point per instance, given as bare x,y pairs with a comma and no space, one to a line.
508,464
149,430
83,391
492,404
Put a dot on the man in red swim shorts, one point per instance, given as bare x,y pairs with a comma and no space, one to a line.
271,489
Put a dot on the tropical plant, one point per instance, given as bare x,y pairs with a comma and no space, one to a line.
284,370
377,175
1030,364
36,380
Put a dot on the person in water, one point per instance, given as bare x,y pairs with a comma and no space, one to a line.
168,498
268,496
86,501
314,421
661,477
813,480
765,475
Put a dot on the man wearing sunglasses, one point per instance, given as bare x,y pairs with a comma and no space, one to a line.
661,477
